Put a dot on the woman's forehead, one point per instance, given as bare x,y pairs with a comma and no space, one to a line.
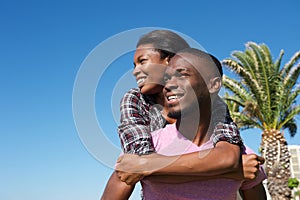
145,50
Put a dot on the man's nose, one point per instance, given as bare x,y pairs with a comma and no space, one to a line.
171,84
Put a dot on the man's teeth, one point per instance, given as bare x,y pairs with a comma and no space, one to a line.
172,97
140,80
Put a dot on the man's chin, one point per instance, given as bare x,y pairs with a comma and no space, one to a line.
174,114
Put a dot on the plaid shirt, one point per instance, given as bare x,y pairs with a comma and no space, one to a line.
140,116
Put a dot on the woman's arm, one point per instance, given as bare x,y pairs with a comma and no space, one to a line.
248,170
223,158
217,161
134,130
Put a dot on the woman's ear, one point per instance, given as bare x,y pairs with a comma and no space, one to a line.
215,85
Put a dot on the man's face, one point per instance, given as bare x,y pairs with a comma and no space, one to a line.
185,88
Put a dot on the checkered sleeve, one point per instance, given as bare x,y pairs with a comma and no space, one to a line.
224,127
228,132
134,130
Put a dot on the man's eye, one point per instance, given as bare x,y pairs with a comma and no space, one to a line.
182,75
143,61
166,78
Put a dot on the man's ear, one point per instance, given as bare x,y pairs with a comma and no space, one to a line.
167,60
215,85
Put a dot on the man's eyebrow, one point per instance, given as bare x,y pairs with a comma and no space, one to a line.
182,69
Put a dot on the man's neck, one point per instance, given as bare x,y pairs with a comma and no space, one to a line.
195,127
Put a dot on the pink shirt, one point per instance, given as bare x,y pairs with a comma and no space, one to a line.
168,141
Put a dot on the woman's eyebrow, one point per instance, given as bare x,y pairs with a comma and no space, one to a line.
138,59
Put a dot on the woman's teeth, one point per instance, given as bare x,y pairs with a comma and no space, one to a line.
140,81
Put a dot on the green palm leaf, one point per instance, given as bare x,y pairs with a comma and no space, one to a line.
263,87
265,97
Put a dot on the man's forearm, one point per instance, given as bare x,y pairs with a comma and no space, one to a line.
116,189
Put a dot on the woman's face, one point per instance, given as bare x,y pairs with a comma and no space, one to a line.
149,69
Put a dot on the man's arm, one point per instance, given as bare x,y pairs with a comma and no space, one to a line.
257,192
116,189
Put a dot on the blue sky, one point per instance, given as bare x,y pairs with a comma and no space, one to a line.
44,43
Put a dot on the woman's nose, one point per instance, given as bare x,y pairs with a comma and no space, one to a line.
136,71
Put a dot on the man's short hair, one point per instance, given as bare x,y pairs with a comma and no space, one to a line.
201,54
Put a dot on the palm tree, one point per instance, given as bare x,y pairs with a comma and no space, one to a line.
265,97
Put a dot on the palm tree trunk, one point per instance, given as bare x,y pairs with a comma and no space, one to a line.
277,165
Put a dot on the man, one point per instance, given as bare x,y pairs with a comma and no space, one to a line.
193,81
140,116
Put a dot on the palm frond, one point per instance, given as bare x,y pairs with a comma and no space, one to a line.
253,85
245,121
289,97
236,87
291,77
291,126
277,64
264,71
267,53
233,100
289,116
287,67
245,60
265,95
